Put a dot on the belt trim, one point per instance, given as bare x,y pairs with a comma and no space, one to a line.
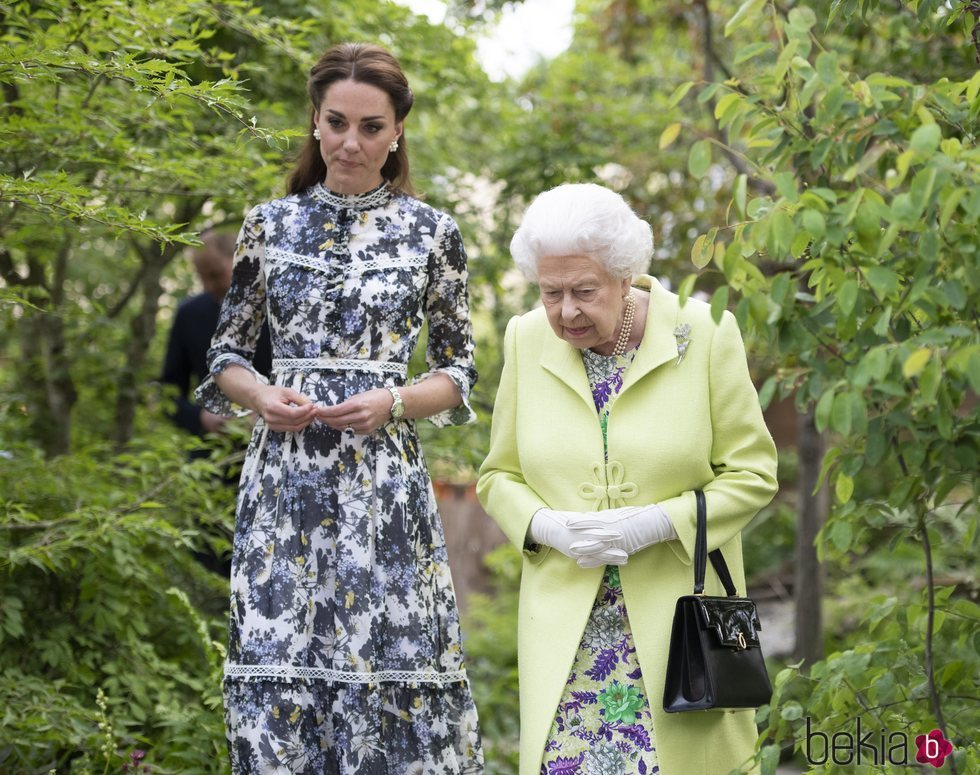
343,676
339,364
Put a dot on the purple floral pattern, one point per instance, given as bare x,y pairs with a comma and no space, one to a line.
603,725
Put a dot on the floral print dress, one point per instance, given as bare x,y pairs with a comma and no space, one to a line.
344,653
603,725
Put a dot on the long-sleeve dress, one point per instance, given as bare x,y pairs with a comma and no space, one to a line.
344,652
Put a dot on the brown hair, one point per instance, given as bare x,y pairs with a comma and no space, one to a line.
362,63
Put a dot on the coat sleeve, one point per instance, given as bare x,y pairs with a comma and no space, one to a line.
743,455
449,348
241,318
501,488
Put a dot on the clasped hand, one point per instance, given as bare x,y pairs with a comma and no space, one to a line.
285,409
594,538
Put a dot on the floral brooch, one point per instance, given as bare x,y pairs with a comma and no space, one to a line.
683,336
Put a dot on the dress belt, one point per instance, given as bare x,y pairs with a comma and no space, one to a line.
339,364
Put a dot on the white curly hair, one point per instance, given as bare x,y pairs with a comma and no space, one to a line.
577,219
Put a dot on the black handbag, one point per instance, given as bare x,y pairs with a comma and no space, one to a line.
714,660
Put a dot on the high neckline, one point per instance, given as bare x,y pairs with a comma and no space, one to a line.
374,198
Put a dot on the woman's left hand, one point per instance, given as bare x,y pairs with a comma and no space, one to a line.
363,413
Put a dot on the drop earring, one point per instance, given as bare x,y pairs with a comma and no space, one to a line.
394,146
316,133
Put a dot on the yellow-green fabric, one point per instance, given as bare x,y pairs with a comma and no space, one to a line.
674,428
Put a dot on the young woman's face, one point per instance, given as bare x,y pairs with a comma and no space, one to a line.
357,124
584,303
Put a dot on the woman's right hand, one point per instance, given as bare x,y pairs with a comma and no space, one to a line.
284,409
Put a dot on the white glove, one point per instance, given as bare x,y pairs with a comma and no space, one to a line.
589,544
637,527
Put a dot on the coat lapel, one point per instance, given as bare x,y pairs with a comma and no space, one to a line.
565,362
659,344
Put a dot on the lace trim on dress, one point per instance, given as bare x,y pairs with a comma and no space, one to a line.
366,201
310,262
354,266
339,364
344,676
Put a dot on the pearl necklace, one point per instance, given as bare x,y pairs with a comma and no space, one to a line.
626,331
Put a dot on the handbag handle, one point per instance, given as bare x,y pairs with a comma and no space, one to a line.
701,553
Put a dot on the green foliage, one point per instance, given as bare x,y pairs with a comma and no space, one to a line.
856,265
101,593
127,128
490,625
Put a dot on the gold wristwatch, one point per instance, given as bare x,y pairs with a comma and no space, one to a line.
397,406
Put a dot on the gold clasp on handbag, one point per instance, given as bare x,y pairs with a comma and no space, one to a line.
741,641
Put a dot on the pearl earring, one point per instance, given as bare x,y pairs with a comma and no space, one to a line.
393,147
316,133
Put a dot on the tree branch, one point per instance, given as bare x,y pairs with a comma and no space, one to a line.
710,59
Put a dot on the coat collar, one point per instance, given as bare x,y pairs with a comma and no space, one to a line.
658,345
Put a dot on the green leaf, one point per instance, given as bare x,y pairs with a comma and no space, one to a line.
768,391
686,288
949,205
929,380
827,67
841,532
751,51
823,409
669,134
916,362
847,297
791,711
883,281
814,223
802,18
719,303
726,102
840,414
699,159
741,183
925,139
743,15
701,251
679,93
783,232
786,186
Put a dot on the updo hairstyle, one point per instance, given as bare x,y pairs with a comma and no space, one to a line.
583,219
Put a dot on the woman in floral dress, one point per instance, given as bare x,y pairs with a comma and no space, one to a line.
615,403
344,653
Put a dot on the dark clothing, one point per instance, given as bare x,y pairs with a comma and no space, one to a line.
187,349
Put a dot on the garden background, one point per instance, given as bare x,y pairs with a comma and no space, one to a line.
811,166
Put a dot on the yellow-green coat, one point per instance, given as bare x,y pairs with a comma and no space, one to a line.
675,427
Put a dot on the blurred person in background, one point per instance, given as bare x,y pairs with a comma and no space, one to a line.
185,365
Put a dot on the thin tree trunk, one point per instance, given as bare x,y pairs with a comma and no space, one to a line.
47,381
143,325
808,582
47,377
142,329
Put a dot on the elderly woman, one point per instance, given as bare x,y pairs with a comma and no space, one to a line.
615,404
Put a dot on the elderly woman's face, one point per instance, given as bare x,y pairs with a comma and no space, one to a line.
583,301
